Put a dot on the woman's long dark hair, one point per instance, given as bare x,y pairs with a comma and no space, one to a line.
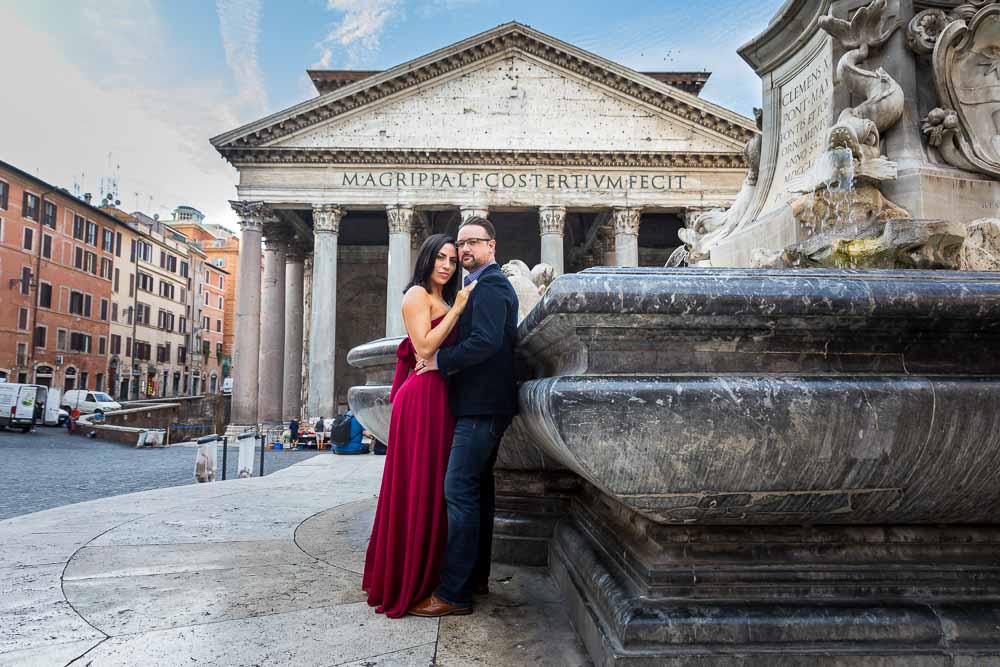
425,267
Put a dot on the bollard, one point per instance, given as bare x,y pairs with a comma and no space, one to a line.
204,465
225,448
262,455
244,465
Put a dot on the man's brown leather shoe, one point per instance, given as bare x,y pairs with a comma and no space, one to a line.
434,607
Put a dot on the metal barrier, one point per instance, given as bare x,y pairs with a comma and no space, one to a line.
205,463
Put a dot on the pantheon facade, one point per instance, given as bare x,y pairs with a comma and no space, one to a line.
577,160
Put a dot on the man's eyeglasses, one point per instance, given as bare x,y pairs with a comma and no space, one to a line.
471,243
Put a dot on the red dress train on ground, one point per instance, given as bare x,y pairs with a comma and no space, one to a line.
411,525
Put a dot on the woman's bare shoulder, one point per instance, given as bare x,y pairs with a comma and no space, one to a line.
416,297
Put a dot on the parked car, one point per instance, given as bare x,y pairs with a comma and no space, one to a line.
227,385
21,405
89,402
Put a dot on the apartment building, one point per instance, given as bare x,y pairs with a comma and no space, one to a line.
212,300
57,256
222,247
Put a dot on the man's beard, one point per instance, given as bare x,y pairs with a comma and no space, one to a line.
472,264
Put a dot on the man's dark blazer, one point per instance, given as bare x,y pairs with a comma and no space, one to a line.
480,368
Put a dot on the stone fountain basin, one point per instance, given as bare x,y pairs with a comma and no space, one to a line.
370,403
771,397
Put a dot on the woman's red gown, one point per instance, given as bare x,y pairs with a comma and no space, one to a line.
411,525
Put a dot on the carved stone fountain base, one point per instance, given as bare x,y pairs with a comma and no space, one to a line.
643,594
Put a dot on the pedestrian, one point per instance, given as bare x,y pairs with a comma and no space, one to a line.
293,430
319,430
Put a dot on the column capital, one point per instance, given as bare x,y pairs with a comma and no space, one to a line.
473,212
551,220
326,218
400,217
626,220
251,214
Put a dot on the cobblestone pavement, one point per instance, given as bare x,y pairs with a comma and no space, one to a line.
49,468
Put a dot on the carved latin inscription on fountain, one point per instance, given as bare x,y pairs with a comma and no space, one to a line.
805,112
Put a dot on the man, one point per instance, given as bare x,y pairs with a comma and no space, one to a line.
483,400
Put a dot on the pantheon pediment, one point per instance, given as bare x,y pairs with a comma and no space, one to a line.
508,89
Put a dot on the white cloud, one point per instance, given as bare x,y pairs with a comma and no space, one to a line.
240,30
358,31
117,100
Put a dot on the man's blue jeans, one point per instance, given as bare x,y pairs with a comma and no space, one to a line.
471,497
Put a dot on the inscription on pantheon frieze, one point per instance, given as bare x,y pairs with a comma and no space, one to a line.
805,112
473,180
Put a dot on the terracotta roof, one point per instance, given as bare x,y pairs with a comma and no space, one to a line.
326,80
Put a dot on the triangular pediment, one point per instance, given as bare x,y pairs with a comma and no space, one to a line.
513,101
561,99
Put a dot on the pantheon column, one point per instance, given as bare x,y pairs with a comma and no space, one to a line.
419,231
626,223
400,223
272,325
551,223
291,401
323,327
247,348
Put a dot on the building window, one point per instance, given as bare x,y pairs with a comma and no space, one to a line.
218,326
4,193
90,263
219,262
99,381
184,269
79,342
145,251
206,322
220,282
46,246
116,344
166,289
25,280
106,268
163,353
128,346
60,340
40,335
182,325
87,303
145,281
218,350
29,238
142,313
206,298
165,320
114,312
49,215
91,233
78,258
29,206
22,354
102,345
84,378
181,355
220,303
75,303
22,319
107,240
117,276
45,295
118,244
104,309
79,227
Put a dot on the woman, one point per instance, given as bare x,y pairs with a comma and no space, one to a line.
408,539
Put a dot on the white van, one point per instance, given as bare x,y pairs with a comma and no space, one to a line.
54,415
21,405
89,402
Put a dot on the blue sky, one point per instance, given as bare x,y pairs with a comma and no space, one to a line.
135,88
